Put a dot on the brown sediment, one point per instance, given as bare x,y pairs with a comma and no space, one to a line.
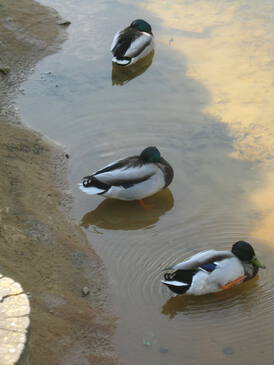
40,246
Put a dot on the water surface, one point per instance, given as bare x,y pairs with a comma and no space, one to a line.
205,98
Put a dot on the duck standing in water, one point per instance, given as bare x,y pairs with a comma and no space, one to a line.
131,178
132,43
213,271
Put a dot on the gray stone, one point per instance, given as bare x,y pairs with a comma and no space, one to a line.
85,291
163,350
228,350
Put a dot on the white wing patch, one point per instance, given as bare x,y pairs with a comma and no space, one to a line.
174,282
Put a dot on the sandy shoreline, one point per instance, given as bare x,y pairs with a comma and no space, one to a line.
40,246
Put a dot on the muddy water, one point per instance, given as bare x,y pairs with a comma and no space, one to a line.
205,98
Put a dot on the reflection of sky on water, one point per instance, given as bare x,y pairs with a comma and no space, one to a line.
263,200
234,61
232,55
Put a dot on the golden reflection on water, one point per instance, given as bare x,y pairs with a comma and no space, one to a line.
229,49
263,199
120,215
122,75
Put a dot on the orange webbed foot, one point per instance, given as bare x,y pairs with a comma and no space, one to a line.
233,282
144,205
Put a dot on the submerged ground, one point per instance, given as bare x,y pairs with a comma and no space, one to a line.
40,246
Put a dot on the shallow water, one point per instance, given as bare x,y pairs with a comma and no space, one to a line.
205,98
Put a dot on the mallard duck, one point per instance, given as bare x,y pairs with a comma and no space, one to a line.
131,178
213,271
132,43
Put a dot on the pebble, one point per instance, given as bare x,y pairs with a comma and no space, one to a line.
163,350
228,350
64,22
85,291
147,343
4,70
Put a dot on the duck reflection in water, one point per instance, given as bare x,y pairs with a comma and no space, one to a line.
122,75
121,215
245,296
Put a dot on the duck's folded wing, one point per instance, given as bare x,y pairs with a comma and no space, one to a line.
122,41
115,40
119,174
201,259
228,270
138,45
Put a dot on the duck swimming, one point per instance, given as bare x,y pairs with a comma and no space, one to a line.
131,178
213,271
132,43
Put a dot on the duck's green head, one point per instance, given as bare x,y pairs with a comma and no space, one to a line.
245,252
141,25
150,154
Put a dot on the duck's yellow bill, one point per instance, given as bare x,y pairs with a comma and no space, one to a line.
257,263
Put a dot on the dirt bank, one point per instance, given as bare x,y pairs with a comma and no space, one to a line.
40,246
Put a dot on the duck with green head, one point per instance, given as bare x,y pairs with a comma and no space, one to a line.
131,178
132,43
213,271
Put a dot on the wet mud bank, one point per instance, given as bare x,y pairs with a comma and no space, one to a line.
41,246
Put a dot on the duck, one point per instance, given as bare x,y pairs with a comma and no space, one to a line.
132,43
213,271
131,178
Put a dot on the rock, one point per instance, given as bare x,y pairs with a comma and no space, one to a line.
147,343
14,321
228,350
63,22
4,70
85,291
163,350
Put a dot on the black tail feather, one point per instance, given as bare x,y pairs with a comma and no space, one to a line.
184,276
89,181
